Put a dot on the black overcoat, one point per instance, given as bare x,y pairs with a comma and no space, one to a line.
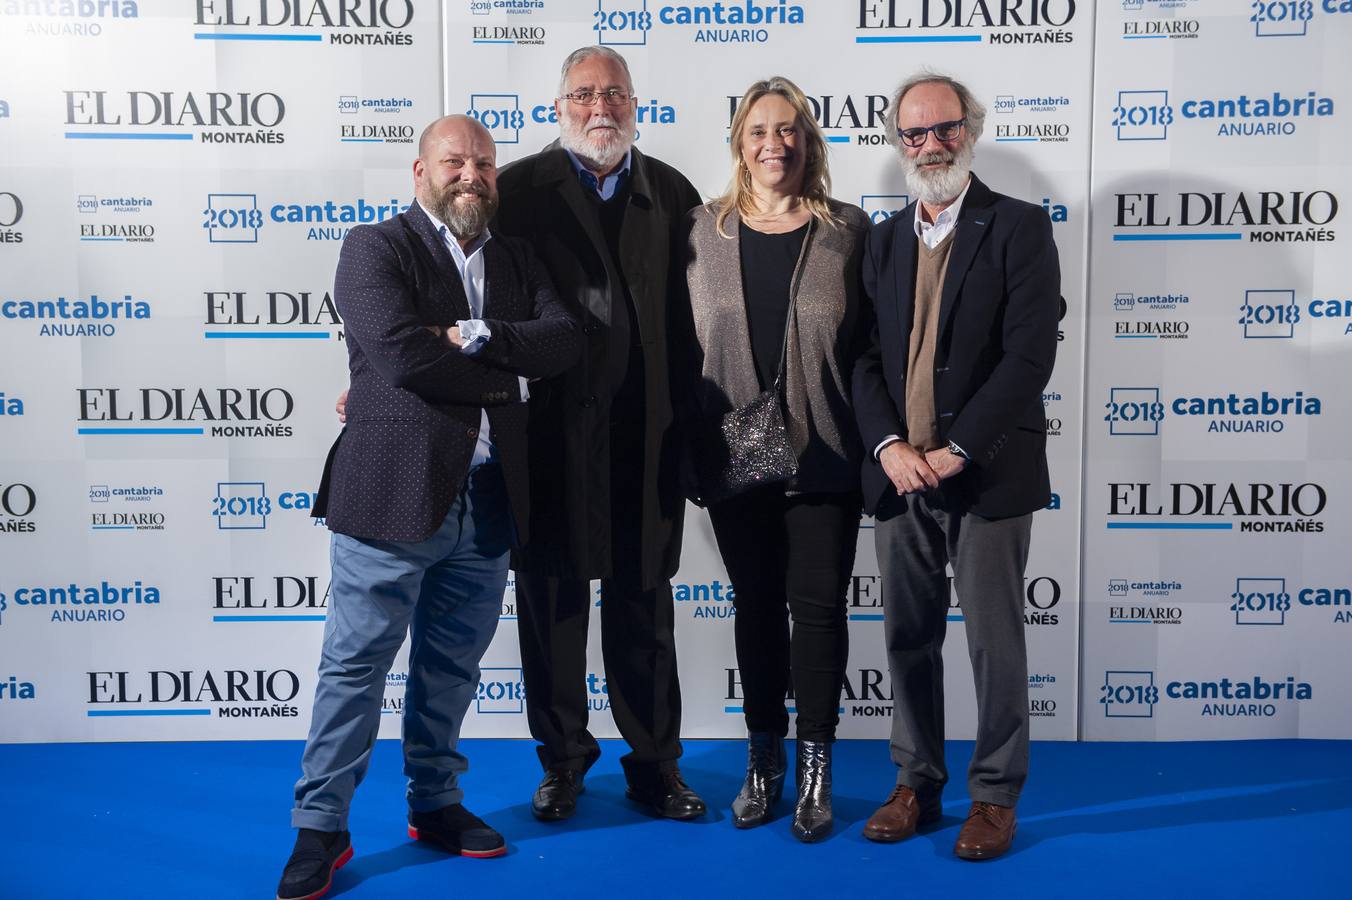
542,202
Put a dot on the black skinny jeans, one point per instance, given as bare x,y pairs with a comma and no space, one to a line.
789,556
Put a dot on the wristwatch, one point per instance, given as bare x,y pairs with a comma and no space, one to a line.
958,451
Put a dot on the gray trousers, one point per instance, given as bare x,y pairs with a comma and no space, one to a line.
446,591
988,557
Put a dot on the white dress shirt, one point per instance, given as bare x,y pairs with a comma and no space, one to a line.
469,262
931,234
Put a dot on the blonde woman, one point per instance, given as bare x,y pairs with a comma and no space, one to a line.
773,275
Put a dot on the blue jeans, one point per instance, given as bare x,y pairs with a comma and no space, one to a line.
447,590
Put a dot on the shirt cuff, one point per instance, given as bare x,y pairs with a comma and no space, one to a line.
525,390
474,333
890,439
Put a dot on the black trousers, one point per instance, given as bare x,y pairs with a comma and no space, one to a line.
789,556
637,645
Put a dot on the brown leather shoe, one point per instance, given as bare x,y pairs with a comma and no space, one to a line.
987,833
898,818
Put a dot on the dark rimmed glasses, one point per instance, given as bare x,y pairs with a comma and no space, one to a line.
944,132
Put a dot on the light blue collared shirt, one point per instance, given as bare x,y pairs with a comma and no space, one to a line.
605,187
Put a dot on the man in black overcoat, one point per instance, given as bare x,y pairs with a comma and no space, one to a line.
604,219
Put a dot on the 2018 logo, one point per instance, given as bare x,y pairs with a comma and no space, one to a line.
500,690
1142,115
232,218
1128,694
241,506
501,114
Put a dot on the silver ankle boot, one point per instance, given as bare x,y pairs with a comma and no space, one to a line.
765,771
812,814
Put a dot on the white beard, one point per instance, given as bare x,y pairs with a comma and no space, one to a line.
599,154
941,186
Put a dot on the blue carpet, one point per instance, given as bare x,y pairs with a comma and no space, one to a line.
207,820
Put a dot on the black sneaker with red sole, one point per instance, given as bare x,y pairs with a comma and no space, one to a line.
314,859
457,830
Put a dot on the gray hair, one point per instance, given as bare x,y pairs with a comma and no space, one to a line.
582,54
972,110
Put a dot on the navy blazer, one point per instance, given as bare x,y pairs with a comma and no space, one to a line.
994,353
413,408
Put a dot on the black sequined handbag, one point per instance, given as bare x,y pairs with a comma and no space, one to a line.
745,448
749,446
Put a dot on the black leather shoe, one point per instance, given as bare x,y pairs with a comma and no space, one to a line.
457,830
314,859
812,818
765,771
556,797
667,794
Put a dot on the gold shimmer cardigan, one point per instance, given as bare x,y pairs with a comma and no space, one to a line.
824,339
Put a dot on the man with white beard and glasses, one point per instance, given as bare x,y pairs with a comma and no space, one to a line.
605,219
965,287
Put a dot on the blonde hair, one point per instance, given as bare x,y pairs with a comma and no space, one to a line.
816,188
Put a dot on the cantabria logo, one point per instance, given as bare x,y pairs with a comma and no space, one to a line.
1147,114
223,117
1139,411
220,412
68,18
705,600
1133,694
349,22
1282,507
331,220
235,693
1268,216
967,21
271,315
509,7
62,317
628,22
87,602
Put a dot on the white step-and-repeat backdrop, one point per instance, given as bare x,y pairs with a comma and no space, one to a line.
177,177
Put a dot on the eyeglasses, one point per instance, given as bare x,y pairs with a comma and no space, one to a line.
613,97
944,131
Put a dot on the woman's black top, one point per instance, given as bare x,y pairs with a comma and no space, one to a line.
768,261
